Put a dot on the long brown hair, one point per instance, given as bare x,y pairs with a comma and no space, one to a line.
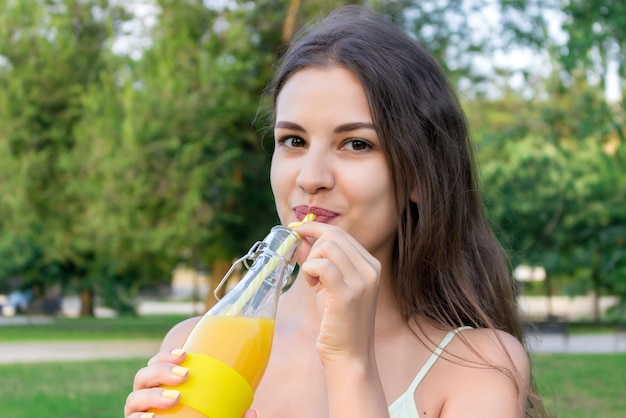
448,264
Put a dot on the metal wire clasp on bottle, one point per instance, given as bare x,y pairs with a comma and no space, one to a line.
253,253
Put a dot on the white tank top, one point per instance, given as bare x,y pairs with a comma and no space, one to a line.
404,406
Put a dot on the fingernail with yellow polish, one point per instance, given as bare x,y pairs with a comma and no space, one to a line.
294,224
171,394
177,352
180,371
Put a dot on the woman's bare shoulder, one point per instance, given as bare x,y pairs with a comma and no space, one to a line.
175,338
493,377
498,347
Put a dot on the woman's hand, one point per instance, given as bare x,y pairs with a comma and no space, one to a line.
162,369
346,278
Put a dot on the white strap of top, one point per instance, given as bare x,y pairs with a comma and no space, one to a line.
433,358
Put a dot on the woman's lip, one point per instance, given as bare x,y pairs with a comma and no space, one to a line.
321,215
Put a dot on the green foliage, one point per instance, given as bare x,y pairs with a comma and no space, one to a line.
596,40
53,53
595,26
462,34
120,169
558,200
559,163
116,168
190,103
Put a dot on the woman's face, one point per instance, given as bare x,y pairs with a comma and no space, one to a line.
328,158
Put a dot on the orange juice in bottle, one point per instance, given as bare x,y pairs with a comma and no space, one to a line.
243,343
228,349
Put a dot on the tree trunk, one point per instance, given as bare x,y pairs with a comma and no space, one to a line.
547,283
597,289
290,20
87,302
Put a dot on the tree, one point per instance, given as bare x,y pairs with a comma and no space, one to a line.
555,184
52,53
596,41
121,166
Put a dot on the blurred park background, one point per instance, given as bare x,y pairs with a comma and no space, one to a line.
134,162
134,142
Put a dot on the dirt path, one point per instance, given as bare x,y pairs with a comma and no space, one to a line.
32,352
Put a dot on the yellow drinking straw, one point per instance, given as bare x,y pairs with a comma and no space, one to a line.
267,269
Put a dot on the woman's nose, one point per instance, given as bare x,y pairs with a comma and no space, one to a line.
316,173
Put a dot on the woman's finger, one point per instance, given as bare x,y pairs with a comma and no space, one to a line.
140,401
175,356
160,374
315,234
339,266
251,413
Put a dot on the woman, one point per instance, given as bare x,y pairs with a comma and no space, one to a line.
400,262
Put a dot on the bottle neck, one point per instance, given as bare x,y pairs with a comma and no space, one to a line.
257,293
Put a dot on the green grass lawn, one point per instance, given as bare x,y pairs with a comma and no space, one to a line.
583,385
574,386
61,390
76,329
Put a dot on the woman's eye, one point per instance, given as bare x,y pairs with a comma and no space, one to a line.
291,141
357,145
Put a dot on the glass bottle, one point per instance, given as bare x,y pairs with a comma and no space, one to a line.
228,349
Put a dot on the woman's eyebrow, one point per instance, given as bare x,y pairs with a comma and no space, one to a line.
346,127
289,125
353,126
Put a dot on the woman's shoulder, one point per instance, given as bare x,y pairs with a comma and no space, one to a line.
488,369
498,347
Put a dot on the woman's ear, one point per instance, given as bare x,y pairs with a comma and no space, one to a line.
414,195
